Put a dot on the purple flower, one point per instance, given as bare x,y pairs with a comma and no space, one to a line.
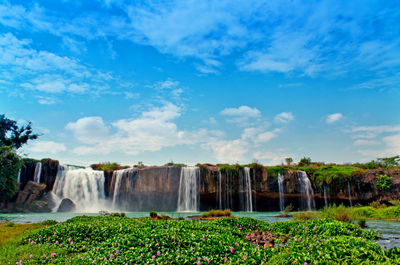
236,243
232,250
198,262
53,254
153,257
298,239
83,247
117,252
158,253
305,263
30,256
203,238
363,239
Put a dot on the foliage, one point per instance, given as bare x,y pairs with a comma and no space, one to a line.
275,170
106,166
112,240
384,182
9,166
327,174
388,162
305,161
288,161
172,164
14,136
217,213
230,169
153,214
288,208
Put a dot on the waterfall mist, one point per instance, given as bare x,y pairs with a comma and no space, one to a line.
306,190
38,172
281,192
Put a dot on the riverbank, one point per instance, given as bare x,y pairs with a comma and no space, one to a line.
243,240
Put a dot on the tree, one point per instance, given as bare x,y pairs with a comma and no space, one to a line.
390,161
14,136
10,163
289,160
305,161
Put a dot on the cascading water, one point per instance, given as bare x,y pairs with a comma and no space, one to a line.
248,200
306,190
325,198
281,191
188,197
116,183
38,172
349,193
219,196
84,186
19,176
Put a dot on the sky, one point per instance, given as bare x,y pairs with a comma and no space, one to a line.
203,81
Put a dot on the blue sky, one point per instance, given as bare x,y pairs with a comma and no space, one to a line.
203,81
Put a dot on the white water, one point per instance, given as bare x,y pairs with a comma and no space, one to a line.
281,191
349,193
116,181
248,200
325,198
188,197
84,186
19,176
38,172
219,196
306,190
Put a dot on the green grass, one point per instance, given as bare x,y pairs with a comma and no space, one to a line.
96,240
350,214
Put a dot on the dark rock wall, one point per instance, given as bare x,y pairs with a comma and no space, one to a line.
49,173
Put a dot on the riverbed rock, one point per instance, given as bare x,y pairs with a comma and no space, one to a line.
66,205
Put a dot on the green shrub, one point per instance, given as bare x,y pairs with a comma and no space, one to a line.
106,166
153,214
384,182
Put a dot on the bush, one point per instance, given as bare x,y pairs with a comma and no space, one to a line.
153,214
217,213
384,182
9,166
106,166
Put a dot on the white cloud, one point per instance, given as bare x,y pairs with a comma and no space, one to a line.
229,151
334,117
362,142
257,135
391,147
46,100
89,129
46,147
284,117
241,114
42,71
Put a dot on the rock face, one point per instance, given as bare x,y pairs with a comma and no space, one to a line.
49,173
66,205
148,188
31,192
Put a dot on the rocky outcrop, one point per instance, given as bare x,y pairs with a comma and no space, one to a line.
66,205
49,172
31,192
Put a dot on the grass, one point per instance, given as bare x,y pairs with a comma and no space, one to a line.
116,240
217,213
11,236
349,214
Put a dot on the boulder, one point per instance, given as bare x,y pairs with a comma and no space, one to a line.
66,205
32,191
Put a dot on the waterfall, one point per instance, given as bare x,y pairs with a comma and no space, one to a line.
19,176
248,200
219,195
116,183
349,193
281,191
84,186
306,190
188,197
38,172
325,198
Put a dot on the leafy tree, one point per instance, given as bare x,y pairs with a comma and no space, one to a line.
14,136
305,161
289,160
9,165
390,161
